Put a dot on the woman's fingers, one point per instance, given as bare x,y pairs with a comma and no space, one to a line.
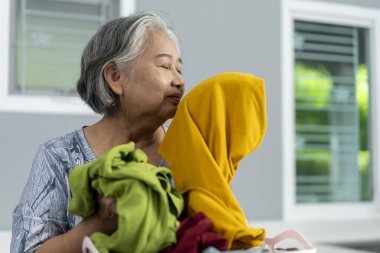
107,206
107,211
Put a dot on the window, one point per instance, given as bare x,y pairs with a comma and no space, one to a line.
45,43
331,88
329,114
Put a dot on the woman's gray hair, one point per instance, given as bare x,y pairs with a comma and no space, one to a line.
119,41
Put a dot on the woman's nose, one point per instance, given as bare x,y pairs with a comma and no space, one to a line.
178,80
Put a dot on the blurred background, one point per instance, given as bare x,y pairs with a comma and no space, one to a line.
320,60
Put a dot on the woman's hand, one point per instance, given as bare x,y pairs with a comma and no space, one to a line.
106,214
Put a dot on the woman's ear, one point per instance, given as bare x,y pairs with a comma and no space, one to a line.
114,78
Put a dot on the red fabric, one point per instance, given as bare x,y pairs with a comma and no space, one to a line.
194,235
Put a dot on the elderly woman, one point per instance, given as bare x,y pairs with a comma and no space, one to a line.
130,74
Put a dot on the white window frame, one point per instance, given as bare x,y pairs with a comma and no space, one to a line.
24,103
340,14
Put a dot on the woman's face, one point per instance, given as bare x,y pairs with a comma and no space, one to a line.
156,86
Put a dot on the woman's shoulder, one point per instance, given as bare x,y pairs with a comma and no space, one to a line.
67,140
70,149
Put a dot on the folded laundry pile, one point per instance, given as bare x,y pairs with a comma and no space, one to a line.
148,207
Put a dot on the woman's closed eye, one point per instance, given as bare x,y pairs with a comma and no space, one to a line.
165,66
168,67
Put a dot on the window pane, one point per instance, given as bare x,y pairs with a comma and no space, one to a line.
333,157
50,37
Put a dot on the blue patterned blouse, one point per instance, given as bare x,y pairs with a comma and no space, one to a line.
42,210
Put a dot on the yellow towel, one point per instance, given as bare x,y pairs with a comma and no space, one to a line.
219,122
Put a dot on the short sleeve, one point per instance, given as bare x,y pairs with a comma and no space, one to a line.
42,210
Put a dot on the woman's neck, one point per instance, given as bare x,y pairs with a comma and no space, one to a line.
110,132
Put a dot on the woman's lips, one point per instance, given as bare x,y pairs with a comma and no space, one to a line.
175,98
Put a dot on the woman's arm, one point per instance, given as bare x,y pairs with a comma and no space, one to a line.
105,221
42,211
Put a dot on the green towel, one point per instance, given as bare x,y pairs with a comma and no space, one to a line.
147,205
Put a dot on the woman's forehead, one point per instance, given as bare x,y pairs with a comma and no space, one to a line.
159,44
